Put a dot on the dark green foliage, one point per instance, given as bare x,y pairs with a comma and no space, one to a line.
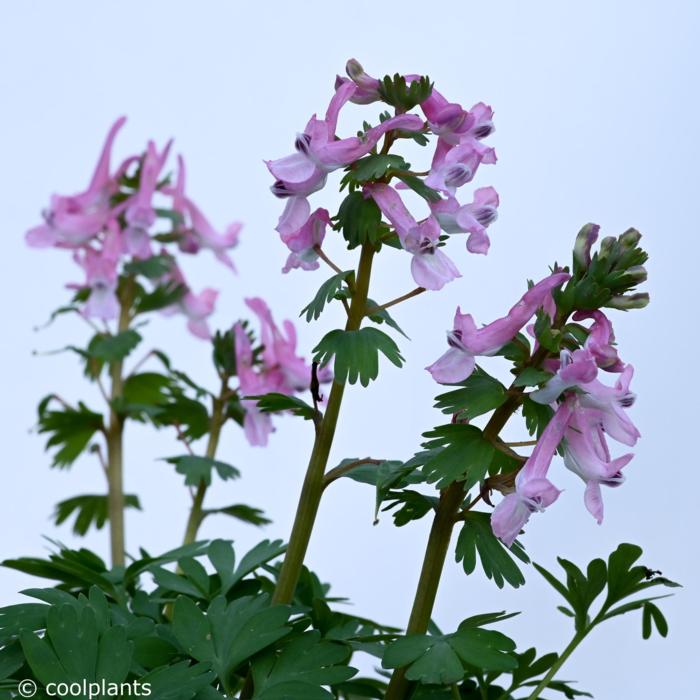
480,393
153,268
356,354
402,95
242,512
198,470
326,292
276,403
69,429
360,220
90,510
456,452
476,539
419,187
106,347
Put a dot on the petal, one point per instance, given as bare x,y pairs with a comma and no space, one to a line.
433,270
296,168
508,518
593,498
453,367
295,215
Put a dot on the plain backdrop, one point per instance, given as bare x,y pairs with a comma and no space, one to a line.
596,114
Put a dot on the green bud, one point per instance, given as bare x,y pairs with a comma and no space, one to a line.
630,238
582,247
629,301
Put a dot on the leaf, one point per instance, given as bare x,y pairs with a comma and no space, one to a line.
71,430
245,513
356,354
300,668
145,390
180,681
383,316
90,510
399,93
326,292
275,402
419,187
228,634
536,415
153,268
532,376
199,469
375,166
650,613
439,659
497,562
162,296
360,220
480,394
461,453
111,348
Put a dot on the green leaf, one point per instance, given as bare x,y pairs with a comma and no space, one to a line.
245,513
70,430
162,296
199,469
461,453
419,187
180,681
356,354
440,659
111,348
228,634
153,268
90,510
480,394
497,561
650,613
276,403
143,394
360,220
299,669
536,415
382,316
532,376
403,95
375,166
326,292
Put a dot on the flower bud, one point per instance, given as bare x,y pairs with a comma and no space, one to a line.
637,274
585,239
629,301
630,238
367,86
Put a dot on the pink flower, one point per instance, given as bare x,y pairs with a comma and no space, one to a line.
291,372
302,232
587,455
533,491
72,221
452,123
601,341
139,213
430,267
454,166
319,152
195,230
257,425
101,278
466,341
471,218
575,369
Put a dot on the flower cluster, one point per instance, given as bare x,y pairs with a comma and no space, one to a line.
112,224
458,153
586,411
275,369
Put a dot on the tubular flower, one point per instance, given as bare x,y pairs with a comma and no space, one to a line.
533,491
587,455
466,341
302,232
72,221
430,267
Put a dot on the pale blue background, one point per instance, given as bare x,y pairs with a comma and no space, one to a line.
596,112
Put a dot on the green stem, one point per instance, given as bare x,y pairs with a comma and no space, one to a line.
578,638
444,520
218,418
312,488
115,439
456,695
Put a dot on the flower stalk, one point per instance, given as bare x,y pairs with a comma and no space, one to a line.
312,488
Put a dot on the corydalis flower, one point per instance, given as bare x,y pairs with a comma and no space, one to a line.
533,491
302,232
194,228
472,218
454,166
72,221
466,341
101,279
319,152
587,455
430,267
